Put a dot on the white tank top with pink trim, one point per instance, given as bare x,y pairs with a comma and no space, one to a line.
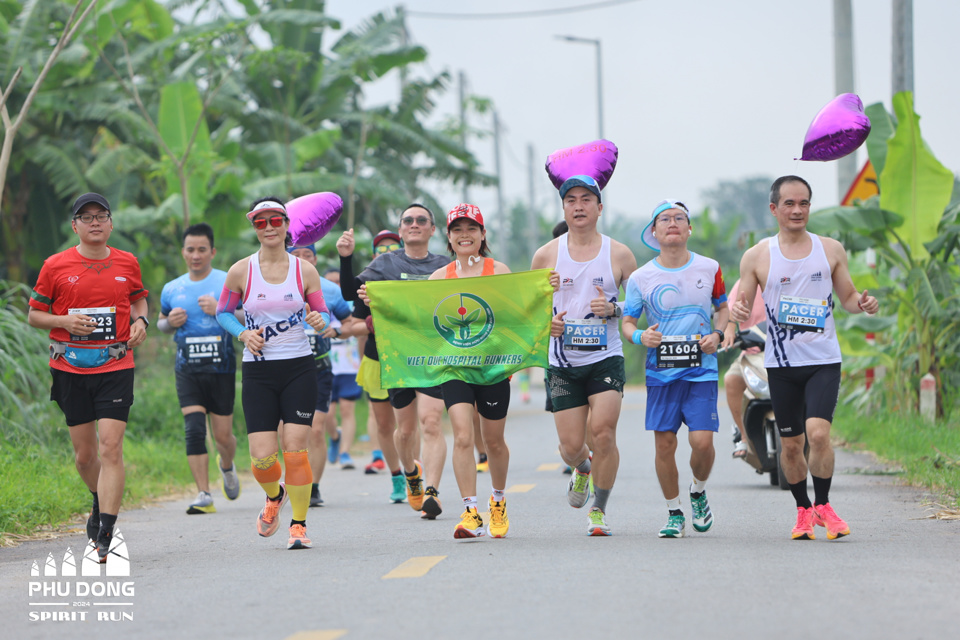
279,309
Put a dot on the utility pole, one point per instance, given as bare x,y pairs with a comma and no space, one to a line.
533,220
902,76
463,125
503,231
843,81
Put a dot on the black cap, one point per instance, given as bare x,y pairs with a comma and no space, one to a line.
86,199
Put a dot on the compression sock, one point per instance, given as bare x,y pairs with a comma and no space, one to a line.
600,498
821,490
799,491
584,467
298,482
267,472
95,510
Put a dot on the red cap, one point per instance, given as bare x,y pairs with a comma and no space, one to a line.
385,235
464,210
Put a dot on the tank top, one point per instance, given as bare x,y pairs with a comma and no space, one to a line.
279,309
452,269
799,293
578,286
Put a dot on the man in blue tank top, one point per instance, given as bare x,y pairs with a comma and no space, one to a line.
799,273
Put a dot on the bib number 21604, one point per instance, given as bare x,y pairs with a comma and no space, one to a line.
679,352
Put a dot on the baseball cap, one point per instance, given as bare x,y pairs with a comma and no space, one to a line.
385,235
266,205
463,210
663,205
86,199
586,182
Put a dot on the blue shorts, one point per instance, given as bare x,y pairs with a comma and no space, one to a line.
324,383
345,387
692,403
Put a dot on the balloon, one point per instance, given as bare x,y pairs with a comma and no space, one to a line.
596,159
312,216
838,129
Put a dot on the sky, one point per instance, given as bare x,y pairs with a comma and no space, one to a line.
694,92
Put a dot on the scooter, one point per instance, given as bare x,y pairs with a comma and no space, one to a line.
759,423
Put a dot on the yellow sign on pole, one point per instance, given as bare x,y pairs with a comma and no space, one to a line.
864,186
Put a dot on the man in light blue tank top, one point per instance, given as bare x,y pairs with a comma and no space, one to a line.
799,273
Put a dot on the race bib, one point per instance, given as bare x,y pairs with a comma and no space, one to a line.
679,352
317,344
204,350
802,314
587,334
106,318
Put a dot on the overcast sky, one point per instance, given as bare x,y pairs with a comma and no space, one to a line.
694,92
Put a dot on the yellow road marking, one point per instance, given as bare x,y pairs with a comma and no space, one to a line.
519,488
415,567
319,634
549,466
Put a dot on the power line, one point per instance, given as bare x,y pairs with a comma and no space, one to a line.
517,14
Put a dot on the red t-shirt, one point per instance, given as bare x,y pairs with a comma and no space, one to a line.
103,289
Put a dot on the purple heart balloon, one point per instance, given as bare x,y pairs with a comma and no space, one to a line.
596,159
838,129
312,216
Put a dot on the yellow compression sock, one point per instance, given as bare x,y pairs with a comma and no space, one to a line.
267,472
299,477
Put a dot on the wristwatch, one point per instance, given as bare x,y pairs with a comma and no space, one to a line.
337,331
146,323
719,333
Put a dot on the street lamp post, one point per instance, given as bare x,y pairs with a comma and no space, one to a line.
595,42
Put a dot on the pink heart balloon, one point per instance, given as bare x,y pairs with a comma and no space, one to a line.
596,159
838,129
312,216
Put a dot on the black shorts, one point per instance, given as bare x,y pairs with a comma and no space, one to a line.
87,397
799,393
400,398
324,389
215,392
491,400
275,390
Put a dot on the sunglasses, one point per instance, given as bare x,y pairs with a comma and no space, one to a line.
386,248
261,223
420,220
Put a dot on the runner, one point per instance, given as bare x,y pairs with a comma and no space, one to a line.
798,273
279,294
205,367
677,290
414,262
320,345
733,383
586,375
91,299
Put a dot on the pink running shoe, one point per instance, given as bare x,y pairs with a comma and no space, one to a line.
825,516
803,530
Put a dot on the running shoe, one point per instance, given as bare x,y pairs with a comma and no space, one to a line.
298,537
315,499
499,522
702,515
375,467
231,482
567,470
825,516
483,466
203,504
415,488
578,491
430,508
598,525
93,526
470,526
269,519
399,492
675,526
803,530
346,462
103,547
333,449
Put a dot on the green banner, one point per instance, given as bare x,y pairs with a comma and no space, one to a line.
479,330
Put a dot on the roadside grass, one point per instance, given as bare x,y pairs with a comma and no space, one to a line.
928,453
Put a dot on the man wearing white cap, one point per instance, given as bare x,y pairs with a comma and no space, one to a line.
586,374
677,290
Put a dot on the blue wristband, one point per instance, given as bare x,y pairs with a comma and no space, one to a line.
636,336
229,322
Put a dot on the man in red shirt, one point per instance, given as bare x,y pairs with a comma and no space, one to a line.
91,299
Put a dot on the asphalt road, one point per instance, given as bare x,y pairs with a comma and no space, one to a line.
212,576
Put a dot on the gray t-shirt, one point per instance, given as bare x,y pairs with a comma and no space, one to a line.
397,265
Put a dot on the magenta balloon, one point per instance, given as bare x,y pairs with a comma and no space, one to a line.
838,129
596,159
312,216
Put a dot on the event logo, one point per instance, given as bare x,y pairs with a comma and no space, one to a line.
464,320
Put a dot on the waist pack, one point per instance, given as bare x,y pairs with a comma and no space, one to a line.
87,357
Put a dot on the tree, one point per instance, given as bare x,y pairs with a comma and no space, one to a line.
748,198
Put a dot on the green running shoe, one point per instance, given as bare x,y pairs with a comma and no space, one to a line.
676,523
702,516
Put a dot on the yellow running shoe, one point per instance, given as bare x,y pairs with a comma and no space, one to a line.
499,522
483,466
415,488
471,525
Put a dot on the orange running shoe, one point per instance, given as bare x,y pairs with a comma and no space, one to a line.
269,519
298,537
415,488
803,530
825,516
